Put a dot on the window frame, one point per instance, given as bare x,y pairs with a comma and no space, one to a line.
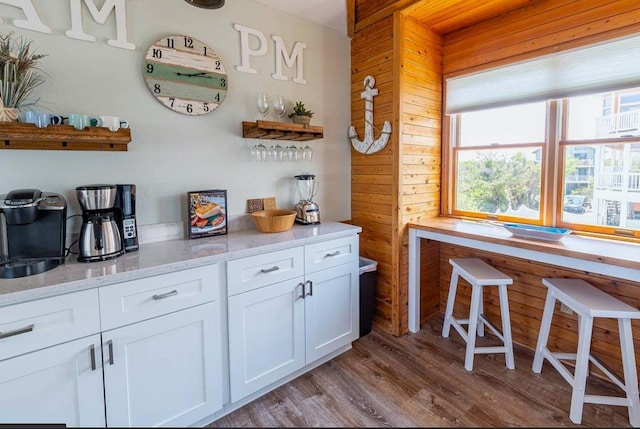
552,173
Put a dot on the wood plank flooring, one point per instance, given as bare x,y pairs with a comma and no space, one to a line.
419,380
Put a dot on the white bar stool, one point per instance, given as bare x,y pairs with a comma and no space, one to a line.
589,302
479,274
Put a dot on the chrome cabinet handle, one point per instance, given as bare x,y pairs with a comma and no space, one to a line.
330,254
92,351
310,288
165,295
16,332
270,270
301,285
110,345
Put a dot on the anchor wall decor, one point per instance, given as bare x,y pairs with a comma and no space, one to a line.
369,145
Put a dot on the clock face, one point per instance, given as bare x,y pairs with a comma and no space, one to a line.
185,75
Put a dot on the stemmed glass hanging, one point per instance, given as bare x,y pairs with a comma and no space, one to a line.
262,104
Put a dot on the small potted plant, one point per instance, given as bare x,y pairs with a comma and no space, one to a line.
300,114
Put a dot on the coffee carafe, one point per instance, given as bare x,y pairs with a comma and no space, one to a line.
100,237
307,212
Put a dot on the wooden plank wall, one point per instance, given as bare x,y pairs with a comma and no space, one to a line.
399,184
541,28
526,301
420,91
372,183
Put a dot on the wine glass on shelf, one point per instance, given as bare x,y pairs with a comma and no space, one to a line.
279,106
262,104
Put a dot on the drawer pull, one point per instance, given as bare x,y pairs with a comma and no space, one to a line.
110,344
165,295
328,255
310,288
92,351
270,270
16,332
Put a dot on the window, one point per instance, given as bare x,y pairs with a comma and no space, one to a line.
573,162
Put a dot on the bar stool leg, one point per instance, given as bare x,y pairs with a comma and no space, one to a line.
476,291
543,336
506,326
582,366
448,314
630,373
480,313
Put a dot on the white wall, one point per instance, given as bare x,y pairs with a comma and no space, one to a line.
171,153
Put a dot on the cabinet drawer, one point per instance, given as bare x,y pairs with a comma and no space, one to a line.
37,324
137,300
256,271
327,254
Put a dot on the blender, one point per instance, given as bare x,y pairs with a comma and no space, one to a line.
307,212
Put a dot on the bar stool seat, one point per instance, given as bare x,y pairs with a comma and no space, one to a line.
479,274
589,302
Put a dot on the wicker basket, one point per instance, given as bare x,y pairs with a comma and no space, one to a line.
274,220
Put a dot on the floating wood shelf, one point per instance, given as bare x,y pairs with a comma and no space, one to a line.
16,135
281,131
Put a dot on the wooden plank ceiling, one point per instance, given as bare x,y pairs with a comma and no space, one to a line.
446,16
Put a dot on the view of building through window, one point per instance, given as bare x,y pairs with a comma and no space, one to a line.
499,156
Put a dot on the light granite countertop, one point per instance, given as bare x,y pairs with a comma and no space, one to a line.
163,257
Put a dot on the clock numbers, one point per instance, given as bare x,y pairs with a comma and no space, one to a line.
188,42
189,108
172,101
218,64
170,42
223,82
149,68
156,53
204,51
156,88
205,106
217,97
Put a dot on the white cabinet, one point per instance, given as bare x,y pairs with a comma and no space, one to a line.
47,374
157,361
60,384
162,349
277,329
331,310
266,336
164,371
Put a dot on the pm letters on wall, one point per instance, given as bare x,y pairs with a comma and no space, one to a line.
33,21
296,57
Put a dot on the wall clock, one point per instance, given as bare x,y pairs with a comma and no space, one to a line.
185,75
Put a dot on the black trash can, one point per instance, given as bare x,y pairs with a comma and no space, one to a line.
368,269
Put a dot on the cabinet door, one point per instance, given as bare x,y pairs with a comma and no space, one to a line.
165,371
54,385
331,310
266,336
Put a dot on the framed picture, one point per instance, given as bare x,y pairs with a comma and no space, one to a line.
207,213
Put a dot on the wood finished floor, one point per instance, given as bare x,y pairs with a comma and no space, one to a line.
419,380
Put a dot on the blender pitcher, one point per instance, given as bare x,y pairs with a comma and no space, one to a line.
307,212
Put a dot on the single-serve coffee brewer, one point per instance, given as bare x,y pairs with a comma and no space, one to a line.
100,237
32,232
307,212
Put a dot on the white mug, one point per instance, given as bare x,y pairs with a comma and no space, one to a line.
113,122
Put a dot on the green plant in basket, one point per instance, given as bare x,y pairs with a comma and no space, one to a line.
19,75
300,114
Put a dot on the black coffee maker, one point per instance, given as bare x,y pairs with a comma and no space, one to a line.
32,232
124,210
